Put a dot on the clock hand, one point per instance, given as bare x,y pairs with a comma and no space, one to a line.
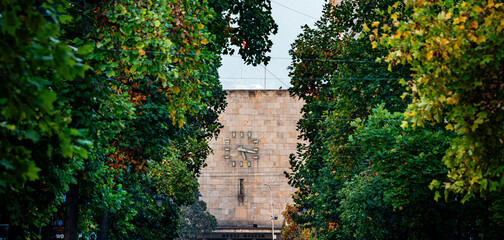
245,150
244,156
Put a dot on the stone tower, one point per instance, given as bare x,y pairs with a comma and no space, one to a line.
250,157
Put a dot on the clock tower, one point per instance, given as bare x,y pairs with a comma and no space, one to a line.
244,180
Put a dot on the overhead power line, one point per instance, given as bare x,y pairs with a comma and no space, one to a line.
294,10
275,76
334,78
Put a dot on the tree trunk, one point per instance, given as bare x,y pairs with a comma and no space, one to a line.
72,211
103,224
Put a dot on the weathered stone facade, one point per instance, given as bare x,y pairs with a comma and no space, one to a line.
263,122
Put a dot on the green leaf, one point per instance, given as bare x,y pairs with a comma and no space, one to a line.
110,73
32,171
85,49
33,135
64,19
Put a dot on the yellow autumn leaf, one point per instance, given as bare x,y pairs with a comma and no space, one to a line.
481,39
141,52
477,9
473,38
409,57
180,123
429,55
365,27
204,41
394,16
200,26
490,3
175,89
448,15
375,24
449,126
473,24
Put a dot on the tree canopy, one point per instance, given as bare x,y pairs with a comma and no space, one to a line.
108,107
455,50
362,173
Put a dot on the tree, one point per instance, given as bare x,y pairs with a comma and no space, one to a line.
112,103
195,220
334,72
360,175
455,50
244,24
291,230
392,198
39,150
166,76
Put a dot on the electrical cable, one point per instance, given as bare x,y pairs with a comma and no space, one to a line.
294,10
334,78
275,76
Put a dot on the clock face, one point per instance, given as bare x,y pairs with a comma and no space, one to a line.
240,149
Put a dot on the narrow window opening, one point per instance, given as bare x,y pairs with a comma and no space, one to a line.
241,191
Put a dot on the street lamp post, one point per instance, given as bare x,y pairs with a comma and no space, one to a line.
272,217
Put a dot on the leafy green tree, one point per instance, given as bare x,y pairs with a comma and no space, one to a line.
157,69
195,220
38,148
335,73
455,50
360,175
244,24
134,127
392,199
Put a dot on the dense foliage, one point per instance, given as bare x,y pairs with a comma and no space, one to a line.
455,50
39,151
291,230
335,74
244,24
196,221
108,106
360,175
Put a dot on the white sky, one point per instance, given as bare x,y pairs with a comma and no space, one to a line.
290,15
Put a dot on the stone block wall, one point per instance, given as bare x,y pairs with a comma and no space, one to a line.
263,122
